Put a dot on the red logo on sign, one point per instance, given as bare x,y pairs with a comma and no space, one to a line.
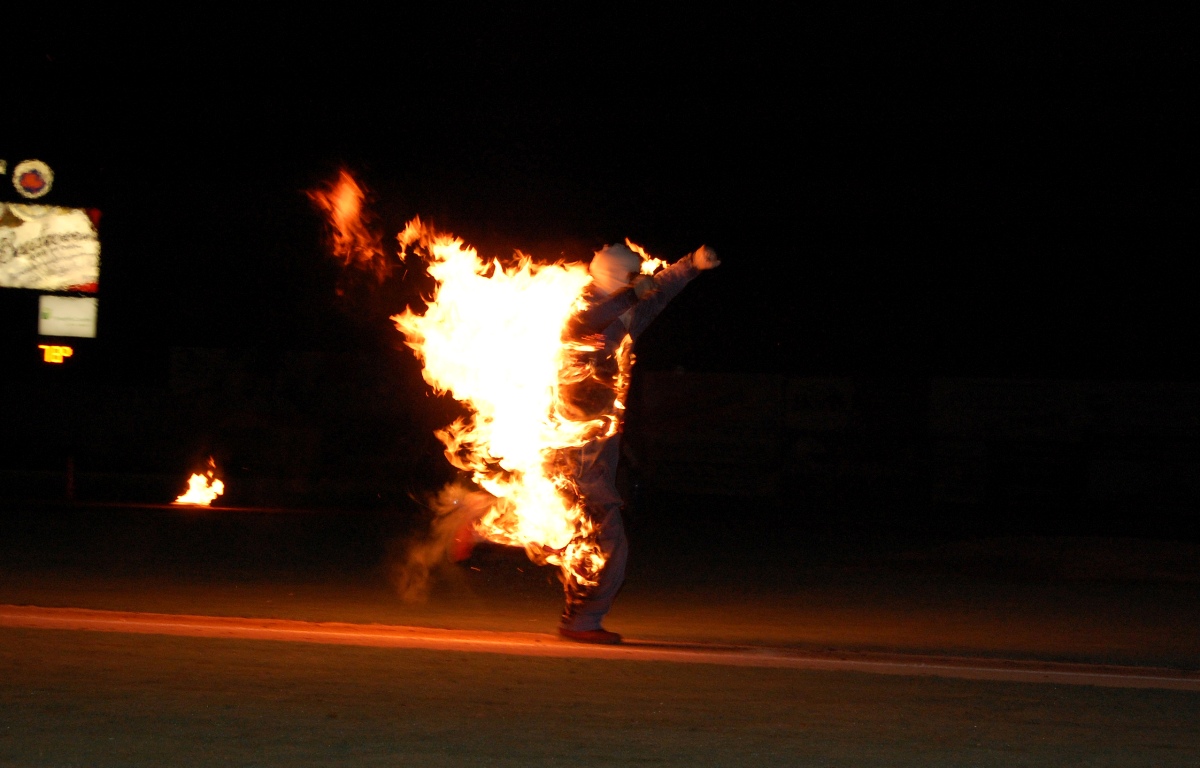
32,182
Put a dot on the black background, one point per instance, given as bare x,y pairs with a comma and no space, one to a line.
929,193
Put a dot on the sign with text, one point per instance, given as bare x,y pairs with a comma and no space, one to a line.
67,316
49,248
55,353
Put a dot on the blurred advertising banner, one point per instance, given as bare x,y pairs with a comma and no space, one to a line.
49,248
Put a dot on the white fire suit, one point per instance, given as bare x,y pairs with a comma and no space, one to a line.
612,323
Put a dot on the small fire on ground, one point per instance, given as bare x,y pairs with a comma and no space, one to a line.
203,488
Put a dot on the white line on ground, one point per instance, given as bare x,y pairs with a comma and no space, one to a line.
537,644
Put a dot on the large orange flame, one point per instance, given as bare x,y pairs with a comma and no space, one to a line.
492,337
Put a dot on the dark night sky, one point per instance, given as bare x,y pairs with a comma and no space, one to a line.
938,193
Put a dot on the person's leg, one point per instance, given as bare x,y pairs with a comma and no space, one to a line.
586,607
596,481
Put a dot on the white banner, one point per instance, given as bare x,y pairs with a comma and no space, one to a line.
67,316
48,248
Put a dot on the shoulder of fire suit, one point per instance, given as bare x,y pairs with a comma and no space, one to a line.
669,282
602,311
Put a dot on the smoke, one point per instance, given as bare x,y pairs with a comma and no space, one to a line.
429,552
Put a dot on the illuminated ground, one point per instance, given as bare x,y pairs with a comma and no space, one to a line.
99,699
79,697
1071,600
630,649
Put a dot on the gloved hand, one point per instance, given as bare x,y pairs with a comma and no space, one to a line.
705,258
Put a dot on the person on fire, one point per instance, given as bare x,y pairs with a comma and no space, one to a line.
621,304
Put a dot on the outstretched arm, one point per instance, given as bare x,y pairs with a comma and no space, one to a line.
668,284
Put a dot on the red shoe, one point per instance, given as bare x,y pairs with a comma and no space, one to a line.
594,636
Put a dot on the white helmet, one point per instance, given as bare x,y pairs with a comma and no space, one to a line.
611,268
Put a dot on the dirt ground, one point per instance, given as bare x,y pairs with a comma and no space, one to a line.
80,698
98,699
880,607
